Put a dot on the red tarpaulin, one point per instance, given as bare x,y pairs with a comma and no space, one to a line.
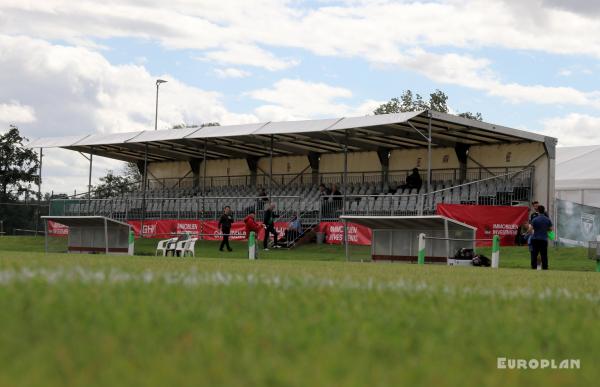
489,220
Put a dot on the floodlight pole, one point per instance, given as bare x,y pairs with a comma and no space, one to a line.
158,82
37,218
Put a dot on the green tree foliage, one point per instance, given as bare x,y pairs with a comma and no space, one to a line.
18,166
411,102
114,185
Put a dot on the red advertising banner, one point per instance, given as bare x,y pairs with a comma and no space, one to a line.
489,220
57,229
209,230
334,233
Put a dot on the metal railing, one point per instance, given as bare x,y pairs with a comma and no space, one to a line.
304,178
503,189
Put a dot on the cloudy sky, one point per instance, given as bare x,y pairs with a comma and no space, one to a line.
83,66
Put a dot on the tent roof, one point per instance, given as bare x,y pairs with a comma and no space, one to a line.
434,222
367,133
577,167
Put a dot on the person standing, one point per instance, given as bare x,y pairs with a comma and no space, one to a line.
225,225
540,226
269,223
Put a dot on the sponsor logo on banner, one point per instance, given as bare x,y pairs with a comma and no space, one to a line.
192,228
149,229
57,229
503,221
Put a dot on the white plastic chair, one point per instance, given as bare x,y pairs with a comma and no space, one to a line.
189,248
162,246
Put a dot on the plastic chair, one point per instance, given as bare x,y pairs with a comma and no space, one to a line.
162,246
189,248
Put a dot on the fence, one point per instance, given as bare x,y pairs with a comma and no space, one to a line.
22,217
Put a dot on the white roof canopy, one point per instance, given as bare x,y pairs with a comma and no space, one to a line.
367,133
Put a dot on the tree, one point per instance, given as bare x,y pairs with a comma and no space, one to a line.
114,185
18,166
409,102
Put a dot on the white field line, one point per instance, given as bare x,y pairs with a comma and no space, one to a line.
194,278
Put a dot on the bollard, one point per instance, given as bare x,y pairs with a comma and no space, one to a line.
130,248
252,245
421,255
496,251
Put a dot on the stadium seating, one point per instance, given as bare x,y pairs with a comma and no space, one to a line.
362,198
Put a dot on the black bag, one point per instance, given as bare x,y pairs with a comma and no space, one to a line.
464,254
481,260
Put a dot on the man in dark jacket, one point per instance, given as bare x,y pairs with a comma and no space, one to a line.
413,180
540,225
225,226
269,225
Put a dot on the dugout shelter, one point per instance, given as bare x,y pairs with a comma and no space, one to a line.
91,234
395,238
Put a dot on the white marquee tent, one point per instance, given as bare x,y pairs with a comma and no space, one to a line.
578,174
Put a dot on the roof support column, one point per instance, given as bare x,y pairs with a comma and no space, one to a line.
271,167
252,162
89,195
314,159
345,188
384,159
144,185
204,177
429,154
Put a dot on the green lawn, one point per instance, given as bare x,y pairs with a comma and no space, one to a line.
564,258
290,319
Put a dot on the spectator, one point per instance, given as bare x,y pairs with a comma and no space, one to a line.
251,224
539,228
324,191
269,223
225,226
413,180
335,192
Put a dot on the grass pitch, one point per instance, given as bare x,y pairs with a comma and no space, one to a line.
98,320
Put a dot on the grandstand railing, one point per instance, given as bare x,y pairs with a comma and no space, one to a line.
304,178
503,189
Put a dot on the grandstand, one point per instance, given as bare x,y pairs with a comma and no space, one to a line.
192,173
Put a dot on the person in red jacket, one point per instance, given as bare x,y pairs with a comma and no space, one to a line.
251,224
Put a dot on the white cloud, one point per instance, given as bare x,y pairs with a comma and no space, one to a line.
291,99
232,72
15,113
381,32
77,91
574,129
243,54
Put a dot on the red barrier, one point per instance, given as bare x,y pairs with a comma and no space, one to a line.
334,233
489,220
207,230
